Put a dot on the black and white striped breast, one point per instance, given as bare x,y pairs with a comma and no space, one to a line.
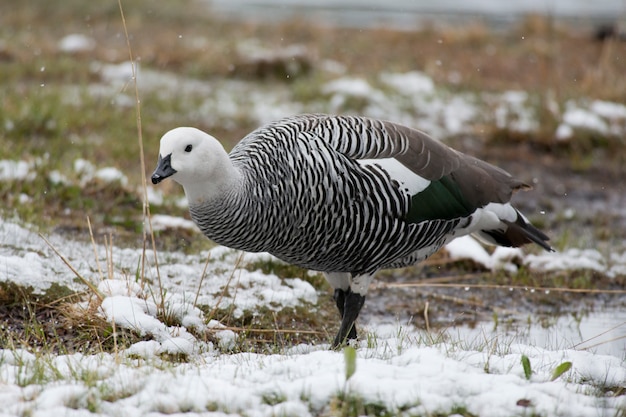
307,203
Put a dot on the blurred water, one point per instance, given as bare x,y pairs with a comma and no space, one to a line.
408,14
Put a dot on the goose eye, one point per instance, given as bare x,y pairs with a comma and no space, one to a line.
188,148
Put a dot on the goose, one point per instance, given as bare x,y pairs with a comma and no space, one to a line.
344,195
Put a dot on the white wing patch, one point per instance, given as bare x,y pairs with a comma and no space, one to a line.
408,179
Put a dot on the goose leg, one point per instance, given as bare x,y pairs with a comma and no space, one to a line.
352,306
340,281
340,299
349,302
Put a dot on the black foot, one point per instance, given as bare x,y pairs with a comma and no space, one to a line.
352,304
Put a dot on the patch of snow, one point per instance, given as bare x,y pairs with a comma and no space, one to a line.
578,259
57,177
608,110
86,172
571,259
182,203
356,87
569,213
164,222
466,247
76,42
564,132
231,99
155,196
179,345
111,174
503,257
584,119
26,260
84,169
62,397
343,89
116,73
139,315
265,109
227,339
120,77
334,67
133,313
15,170
409,83
457,114
111,287
144,349
513,112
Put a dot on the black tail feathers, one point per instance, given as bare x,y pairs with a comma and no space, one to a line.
518,233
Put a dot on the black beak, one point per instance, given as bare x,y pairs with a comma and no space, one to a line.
163,170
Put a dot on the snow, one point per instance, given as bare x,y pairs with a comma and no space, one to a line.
344,89
513,111
155,196
56,177
164,222
356,87
111,174
27,260
564,132
409,83
399,367
15,170
608,110
582,118
466,247
87,172
577,259
602,117
76,42
571,259
398,374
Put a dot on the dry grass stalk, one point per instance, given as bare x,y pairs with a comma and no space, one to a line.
85,281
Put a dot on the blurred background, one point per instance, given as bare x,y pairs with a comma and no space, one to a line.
411,14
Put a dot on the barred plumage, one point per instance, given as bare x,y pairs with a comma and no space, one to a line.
344,195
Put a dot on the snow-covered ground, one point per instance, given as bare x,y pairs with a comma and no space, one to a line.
398,374
399,368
